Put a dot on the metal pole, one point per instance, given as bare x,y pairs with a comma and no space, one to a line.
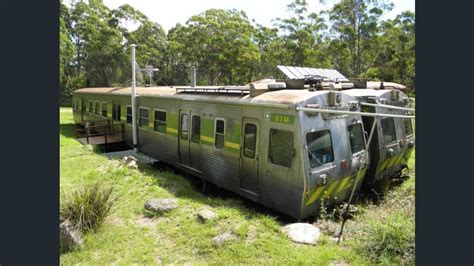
388,106
134,111
316,110
355,181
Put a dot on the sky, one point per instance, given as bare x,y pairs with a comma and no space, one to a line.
169,13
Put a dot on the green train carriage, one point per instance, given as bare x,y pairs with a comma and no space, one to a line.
257,145
394,137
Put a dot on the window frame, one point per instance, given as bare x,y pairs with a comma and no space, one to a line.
126,115
254,143
215,133
192,128
154,120
349,139
181,126
383,131
139,117
411,127
90,108
292,152
102,109
332,145
97,111
115,113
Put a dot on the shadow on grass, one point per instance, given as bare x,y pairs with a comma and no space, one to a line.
214,196
67,130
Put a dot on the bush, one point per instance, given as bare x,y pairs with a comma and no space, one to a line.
87,207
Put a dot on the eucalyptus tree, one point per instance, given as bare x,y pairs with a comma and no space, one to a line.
396,60
355,29
99,53
148,35
66,54
302,35
220,43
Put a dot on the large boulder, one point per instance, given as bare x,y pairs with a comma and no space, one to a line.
69,237
302,233
161,205
206,215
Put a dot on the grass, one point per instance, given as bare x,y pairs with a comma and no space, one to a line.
130,236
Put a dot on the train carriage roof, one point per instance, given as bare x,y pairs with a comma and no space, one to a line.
371,92
281,97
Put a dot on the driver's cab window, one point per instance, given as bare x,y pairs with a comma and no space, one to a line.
320,149
388,130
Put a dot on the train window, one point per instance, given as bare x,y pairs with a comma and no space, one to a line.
356,137
104,109
408,127
250,140
196,130
143,119
388,130
219,134
116,112
319,148
184,126
129,115
159,124
97,108
91,106
281,147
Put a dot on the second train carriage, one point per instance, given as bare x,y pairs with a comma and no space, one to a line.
258,146
394,137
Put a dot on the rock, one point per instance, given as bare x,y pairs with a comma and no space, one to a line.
130,161
69,237
302,233
206,215
221,239
161,205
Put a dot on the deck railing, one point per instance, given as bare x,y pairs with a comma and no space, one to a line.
104,128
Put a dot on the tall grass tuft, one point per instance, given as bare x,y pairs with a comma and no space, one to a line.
87,207
386,233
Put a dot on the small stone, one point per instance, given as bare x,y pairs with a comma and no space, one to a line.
302,233
161,205
69,237
206,215
130,161
221,239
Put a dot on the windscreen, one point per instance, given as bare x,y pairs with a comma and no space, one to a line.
319,148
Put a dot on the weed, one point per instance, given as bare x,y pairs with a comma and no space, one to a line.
87,207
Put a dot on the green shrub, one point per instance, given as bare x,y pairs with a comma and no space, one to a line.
87,207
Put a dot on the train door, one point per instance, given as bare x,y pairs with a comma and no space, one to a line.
184,138
250,155
391,145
